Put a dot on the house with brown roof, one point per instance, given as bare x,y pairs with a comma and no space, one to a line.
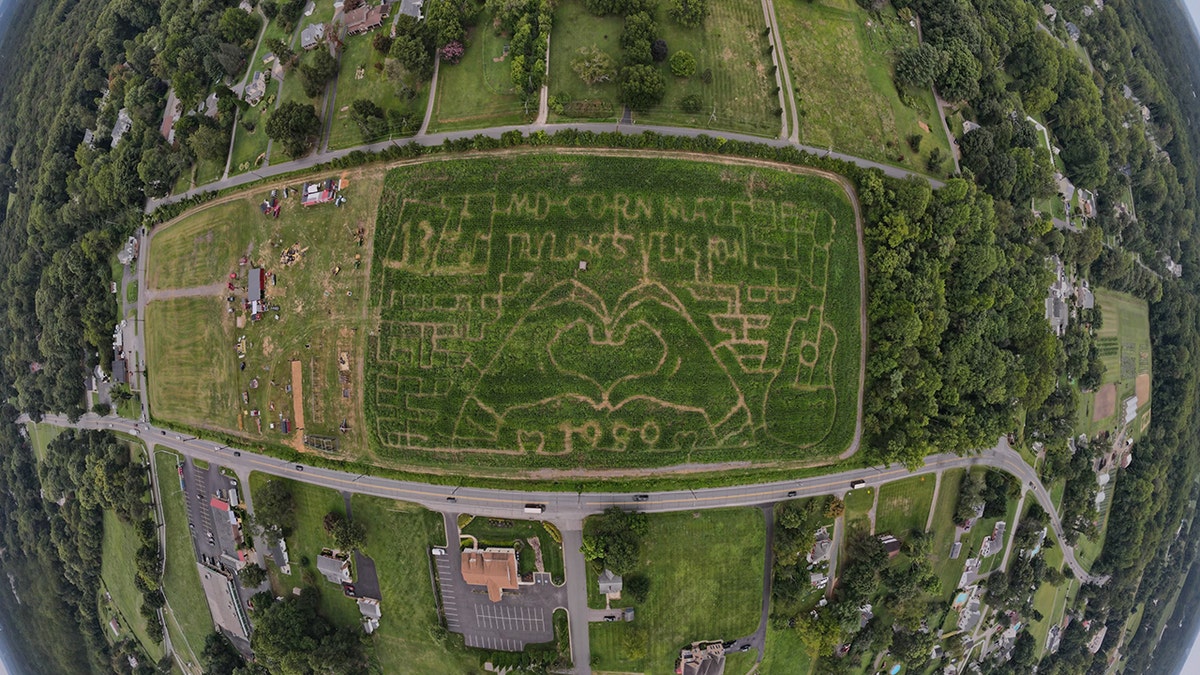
364,19
495,568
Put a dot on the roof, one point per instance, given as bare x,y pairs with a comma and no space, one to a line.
369,607
124,123
257,88
118,370
412,8
367,583
218,504
363,18
820,550
955,550
609,582
257,276
311,35
335,570
495,568
702,658
890,544
1130,409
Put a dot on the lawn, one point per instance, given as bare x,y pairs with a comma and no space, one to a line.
949,571
704,327
858,505
322,317
742,95
398,539
187,607
40,436
705,570
840,61
575,28
785,653
250,135
477,92
504,533
362,76
904,506
117,569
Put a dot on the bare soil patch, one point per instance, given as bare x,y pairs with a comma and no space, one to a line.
1106,402
1142,386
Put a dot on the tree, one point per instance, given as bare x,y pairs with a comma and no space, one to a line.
237,26
919,66
614,539
959,81
639,32
658,50
381,42
683,64
452,53
593,66
274,506
642,86
820,635
691,104
252,576
281,51
219,656
835,508
690,13
370,119
319,70
347,534
445,20
210,142
412,53
637,586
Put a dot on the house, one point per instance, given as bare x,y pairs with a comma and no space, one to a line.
364,19
822,545
124,123
1050,12
312,35
495,568
412,8
256,284
116,627
120,374
1173,267
818,579
1073,32
955,550
1093,644
890,544
702,658
320,192
256,89
371,614
334,567
610,583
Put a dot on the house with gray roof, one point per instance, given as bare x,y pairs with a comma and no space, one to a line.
312,35
334,567
610,583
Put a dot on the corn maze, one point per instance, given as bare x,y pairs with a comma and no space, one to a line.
546,311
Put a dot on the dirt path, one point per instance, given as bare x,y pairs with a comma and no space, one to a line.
193,292
874,509
937,487
298,404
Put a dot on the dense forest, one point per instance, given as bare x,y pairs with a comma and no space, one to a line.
960,350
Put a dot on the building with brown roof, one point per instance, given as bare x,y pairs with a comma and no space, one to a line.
364,18
495,568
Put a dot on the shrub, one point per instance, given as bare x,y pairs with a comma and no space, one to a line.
658,50
452,52
706,76
691,104
683,64
914,142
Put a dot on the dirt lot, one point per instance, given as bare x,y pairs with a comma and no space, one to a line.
1106,402
1143,389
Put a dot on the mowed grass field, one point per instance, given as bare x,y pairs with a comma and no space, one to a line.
373,85
546,310
398,539
40,436
948,571
575,28
1123,341
187,612
477,92
117,569
904,506
731,44
194,372
706,577
841,70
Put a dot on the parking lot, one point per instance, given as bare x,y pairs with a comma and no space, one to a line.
523,616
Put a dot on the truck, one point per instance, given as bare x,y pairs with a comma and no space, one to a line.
535,508
855,484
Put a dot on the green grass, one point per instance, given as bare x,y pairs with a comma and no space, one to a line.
841,70
131,408
249,146
904,506
785,653
188,609
117,570
398,539
635,361
740,663
705,571
490,533
40,436
477,92
858,504
374,86
202,387
731,44
948,571
575,27
131,293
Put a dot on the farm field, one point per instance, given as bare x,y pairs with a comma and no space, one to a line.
187,609
741,96
323,315
359,57
705,571
119,545
1123,341
505,533
398,539
904,506
840,61
545,310
575,28
477,92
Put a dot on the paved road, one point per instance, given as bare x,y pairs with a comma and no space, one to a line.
495,132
